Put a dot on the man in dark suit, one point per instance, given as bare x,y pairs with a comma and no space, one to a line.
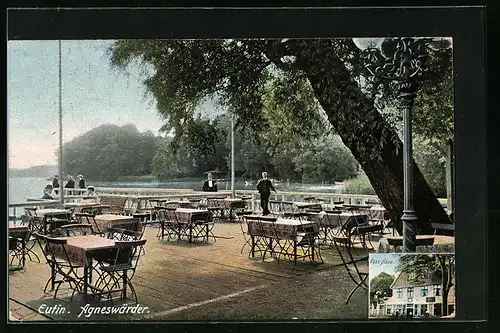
209,185
264,186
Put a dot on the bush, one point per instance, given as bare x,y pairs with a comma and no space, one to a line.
358,185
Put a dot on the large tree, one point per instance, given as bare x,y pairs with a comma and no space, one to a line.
380,285
310,76
421,266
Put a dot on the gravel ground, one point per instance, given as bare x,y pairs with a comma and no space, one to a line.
319,295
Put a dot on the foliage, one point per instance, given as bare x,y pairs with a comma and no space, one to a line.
441,266
381,285
108,152
431,161
359,185
289,86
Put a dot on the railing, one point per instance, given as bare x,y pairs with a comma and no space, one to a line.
139,198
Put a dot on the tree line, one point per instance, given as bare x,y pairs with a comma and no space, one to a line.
109,152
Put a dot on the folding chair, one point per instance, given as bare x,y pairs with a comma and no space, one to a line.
87,218
61,263
77,229
258,241
16,251
169,225
357,274
203,225
308,235
119,268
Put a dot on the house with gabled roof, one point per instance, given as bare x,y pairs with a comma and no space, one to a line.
415,297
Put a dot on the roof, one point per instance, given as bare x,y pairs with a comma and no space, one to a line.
402,281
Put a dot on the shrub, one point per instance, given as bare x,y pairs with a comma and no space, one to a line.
358,185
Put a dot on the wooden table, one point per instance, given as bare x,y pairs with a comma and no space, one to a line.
187,217
81,250
280,229
441,244
53,215
19,232
226,204
105,221
79,206
310,205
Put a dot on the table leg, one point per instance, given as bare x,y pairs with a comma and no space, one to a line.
190,233
23,247
86,275
253,246
295,252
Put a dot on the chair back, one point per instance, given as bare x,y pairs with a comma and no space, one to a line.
87,218
53,249
128,252
78,229
170,214
36,224
344,249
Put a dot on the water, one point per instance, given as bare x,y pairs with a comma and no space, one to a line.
22,188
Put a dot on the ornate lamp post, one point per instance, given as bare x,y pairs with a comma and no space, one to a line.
403,62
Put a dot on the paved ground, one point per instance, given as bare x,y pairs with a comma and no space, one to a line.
215,282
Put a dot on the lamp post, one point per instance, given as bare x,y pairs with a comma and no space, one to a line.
61,186
402,62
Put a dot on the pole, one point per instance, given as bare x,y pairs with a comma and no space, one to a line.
409,218
61,187
232,158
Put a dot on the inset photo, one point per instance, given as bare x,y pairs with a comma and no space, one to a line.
411,286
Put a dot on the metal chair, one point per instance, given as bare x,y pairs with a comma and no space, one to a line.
77,229
358,275
61,264
119,268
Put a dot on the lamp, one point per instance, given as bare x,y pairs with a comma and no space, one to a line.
402,61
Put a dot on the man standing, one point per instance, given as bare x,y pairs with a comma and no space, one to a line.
81,181
264,186
209,185
55,184
70,184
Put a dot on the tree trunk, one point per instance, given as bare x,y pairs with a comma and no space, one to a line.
374,144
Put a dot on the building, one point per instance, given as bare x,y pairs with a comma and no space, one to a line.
414,298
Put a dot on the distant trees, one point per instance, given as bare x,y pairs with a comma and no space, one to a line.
206,145
109,151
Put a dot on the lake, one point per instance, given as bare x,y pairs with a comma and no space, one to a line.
21,188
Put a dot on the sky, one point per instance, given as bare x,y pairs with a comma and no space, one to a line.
383,262
93,94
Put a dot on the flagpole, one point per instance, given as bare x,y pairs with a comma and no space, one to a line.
232,157
61,186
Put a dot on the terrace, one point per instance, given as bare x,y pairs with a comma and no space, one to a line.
210,277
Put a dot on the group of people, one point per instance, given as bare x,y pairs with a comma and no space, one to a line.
69,184
51,191
264,186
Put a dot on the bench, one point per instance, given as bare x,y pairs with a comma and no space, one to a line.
113,204
449,228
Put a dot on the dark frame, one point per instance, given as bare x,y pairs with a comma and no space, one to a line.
465,24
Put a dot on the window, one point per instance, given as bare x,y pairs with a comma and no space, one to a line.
437,290
400,292
388,311
423,309
410,292
424,291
